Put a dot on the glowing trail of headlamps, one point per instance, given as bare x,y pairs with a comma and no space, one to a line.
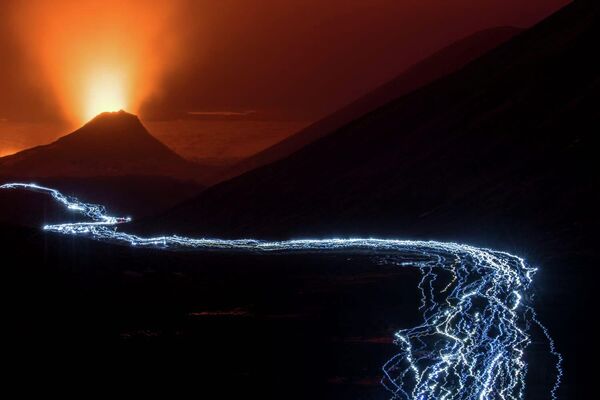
475,304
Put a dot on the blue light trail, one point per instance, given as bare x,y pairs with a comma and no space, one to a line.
476,304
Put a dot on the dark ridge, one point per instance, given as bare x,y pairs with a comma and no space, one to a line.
499,153
439,64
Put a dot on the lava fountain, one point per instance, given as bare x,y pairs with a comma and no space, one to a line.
99,55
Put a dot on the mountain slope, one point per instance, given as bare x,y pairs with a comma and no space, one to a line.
112,144
112,160
499,153
439,64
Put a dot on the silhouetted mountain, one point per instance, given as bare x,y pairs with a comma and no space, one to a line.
111,160
499,153
112,144
439,64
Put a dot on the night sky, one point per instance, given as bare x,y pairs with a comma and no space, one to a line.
297,57
293,62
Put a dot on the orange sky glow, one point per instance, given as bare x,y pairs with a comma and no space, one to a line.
283,63
98,55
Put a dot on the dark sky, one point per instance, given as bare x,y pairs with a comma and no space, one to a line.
298,58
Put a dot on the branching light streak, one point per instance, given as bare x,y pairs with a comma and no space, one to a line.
475,304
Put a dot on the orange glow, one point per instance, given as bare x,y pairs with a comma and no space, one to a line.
7,152
105,91
99,55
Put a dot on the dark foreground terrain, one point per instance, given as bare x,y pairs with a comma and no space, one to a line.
224,325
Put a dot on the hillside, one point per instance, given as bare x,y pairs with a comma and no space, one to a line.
112,144
499,153
439,64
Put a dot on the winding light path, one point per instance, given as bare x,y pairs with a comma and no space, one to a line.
476,305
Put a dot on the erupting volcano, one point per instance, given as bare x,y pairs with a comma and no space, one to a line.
111,144
102,55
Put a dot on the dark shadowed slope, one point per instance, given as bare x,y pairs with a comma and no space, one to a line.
499,153
112,144
441,63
